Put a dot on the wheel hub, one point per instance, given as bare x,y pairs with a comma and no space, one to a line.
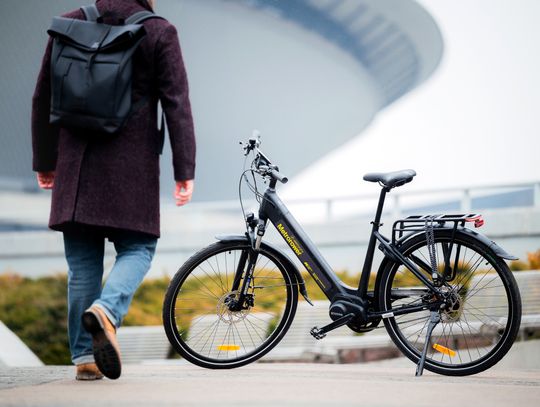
224,311
453,307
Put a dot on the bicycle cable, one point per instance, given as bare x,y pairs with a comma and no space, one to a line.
253,187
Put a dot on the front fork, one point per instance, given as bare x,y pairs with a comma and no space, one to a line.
246,265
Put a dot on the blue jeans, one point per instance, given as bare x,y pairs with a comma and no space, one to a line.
84,251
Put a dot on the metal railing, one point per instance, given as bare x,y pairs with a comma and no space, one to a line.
463,200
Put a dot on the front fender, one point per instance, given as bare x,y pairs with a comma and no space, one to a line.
287,263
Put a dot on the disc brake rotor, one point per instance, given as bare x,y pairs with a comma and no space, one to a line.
453,309
223,310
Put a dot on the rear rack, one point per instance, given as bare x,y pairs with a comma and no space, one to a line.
416,223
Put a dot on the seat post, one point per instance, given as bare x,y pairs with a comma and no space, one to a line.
380,206
368,262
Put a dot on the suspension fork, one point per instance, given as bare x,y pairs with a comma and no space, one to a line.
240,269
242,278
246,265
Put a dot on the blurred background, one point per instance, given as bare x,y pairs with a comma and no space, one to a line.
337,88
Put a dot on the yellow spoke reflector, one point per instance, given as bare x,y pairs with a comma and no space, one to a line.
444,349
228,347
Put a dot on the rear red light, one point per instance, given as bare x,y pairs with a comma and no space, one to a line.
478,221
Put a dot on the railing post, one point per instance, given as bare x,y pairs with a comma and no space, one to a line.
396,210
466,201
536,202
328,210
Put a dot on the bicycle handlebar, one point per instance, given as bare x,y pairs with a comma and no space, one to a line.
263,164
275,174
272,172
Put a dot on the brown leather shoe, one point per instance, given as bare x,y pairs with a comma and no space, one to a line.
104,343
88,371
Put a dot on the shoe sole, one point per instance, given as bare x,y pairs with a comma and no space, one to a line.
88,377
105,354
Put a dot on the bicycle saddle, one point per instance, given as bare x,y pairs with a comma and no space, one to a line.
391,179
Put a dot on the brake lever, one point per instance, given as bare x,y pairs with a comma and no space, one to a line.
263,170
253,143
246,147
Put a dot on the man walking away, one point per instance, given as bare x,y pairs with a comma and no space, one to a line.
106,186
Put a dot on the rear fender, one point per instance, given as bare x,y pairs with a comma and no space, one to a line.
498,250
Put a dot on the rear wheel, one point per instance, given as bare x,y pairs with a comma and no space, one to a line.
198,313
481,319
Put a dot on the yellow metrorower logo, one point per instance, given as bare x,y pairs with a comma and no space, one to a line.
294,246
315,277
306,265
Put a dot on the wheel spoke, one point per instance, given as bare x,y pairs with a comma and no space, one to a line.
209,327
475,317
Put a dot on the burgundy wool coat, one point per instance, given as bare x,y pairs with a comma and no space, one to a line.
113,182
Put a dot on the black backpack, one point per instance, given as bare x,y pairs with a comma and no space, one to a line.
91,71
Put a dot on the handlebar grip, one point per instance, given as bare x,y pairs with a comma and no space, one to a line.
279,176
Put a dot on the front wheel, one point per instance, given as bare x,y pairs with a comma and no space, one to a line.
481,318
201,315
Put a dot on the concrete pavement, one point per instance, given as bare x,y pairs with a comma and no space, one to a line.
269,385
514,381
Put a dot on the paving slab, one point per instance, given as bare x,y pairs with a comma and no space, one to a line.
266,384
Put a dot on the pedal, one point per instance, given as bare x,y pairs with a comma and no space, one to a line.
317,333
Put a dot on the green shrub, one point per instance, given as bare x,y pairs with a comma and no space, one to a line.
519,265
147,303
36,311
534,260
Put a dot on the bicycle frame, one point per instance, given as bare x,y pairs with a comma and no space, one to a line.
273,209
435,285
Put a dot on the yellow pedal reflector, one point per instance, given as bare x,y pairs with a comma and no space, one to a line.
444,349
228,347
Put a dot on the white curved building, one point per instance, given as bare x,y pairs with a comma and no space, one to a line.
309,74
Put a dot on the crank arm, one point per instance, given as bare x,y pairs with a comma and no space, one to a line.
319,333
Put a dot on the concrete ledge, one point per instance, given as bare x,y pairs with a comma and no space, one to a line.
13,351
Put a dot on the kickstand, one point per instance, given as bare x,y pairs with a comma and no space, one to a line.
434,319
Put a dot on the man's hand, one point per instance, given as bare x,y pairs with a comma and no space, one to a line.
183,192
45,179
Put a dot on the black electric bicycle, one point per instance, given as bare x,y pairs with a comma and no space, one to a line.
447,298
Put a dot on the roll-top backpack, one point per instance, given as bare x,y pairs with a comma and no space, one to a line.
91,71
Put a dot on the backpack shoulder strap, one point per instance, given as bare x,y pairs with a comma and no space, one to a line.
91,13
138,18
141,16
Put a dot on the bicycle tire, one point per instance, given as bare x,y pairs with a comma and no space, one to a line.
494,314
231,350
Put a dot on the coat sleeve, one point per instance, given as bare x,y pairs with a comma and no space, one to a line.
44,135
174,96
